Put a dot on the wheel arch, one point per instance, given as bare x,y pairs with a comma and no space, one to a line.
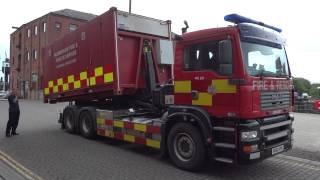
192,114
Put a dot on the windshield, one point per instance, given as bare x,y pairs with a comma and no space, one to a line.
262,60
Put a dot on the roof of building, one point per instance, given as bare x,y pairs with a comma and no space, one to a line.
69,13
75,14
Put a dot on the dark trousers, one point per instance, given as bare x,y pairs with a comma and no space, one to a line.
12,122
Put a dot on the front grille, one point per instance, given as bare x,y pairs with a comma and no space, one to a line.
277,131
271,100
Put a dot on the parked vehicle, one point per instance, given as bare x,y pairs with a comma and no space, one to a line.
224,93
4,94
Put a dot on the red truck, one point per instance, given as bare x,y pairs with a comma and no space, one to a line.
222,93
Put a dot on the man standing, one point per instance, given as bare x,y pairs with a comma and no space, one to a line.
14,114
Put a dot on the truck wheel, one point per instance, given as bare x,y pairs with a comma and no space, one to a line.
86,125
69,119
186,147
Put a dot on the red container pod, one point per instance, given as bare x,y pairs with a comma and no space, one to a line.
105,58
316,105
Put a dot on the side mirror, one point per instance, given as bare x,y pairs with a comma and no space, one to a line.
225,52
225,57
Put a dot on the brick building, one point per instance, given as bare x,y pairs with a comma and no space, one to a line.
26,42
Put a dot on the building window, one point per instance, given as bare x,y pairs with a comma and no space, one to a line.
34,77
28,55
58,26
35,30
35,54
28,33
44,26
72,27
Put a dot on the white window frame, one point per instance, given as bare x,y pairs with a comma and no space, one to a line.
28,55
35,30
44,26
73,27
28,32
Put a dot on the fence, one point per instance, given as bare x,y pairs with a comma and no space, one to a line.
306,106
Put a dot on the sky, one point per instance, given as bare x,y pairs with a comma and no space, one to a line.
298,20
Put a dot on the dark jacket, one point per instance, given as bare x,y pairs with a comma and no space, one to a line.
13,103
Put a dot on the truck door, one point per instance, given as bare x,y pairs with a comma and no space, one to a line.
202,76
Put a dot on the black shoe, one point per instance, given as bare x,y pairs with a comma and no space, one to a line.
14,133
8,135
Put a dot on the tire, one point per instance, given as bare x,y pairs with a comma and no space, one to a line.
186,147
86,125
69,118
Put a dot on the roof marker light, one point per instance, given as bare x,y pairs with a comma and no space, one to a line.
235,18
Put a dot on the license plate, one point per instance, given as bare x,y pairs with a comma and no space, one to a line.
277,149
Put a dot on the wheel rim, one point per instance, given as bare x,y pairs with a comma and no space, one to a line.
184,146
86,124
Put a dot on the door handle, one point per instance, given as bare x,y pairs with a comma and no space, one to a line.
194,94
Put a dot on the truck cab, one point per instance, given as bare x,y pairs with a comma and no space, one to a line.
240,76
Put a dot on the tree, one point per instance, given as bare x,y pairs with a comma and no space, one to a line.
301,85
315,91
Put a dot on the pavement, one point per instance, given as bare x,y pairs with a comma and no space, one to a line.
51,153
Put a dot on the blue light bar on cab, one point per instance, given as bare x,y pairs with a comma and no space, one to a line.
235,18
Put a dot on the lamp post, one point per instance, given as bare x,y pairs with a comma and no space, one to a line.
130,6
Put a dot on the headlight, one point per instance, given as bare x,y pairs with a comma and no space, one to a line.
248,135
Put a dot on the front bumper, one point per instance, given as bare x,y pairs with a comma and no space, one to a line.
275,136
257,156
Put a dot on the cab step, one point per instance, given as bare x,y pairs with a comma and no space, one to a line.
225,160
225,145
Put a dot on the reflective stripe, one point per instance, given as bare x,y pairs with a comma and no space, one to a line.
98,71
50,84
100,121
46,91
92,81
204,99
140,127
118,124
55,89
109,134
108,77
60,82
128,137
77,84
71,79
83,75
153,143
81,80
65,87
182,87
223,86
